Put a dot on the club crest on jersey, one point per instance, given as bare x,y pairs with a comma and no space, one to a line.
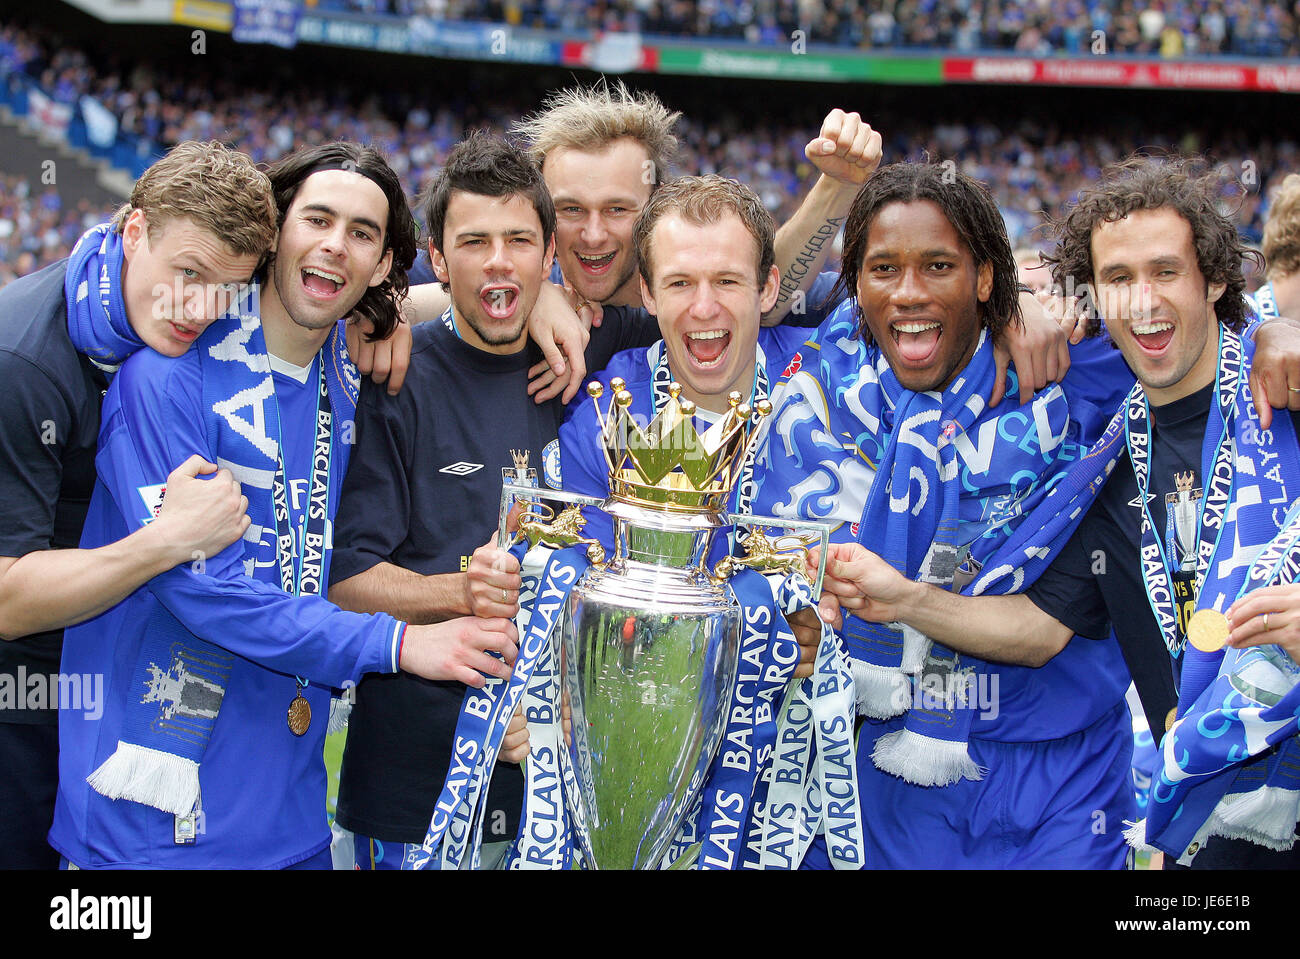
853,528
551,464
153,499
796,362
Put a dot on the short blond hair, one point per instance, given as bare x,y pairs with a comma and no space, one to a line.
591,118
218,189
1282,231
704,200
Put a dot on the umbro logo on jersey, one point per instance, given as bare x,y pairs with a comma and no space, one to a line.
462,468
1137,502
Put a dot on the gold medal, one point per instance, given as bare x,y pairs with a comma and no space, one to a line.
1208,630
1170,717
299,715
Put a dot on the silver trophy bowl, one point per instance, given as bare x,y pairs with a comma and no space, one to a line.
648,655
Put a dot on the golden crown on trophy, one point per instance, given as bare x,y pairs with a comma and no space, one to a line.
669,465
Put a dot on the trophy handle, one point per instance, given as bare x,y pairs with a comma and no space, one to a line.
511,492
804,532
521,483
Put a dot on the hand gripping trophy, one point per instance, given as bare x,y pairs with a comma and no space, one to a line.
655,687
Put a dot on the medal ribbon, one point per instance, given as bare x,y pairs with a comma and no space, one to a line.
299,574
1266,303
1279,561
1217,477
662,378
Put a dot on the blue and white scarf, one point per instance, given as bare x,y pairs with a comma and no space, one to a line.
951,467
97,320
1232,762
1235,705
157,760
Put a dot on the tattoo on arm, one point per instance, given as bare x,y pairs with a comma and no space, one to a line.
796,273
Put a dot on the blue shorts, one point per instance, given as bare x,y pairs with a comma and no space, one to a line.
1059,804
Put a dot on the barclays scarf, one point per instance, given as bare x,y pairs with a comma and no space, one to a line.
1230,764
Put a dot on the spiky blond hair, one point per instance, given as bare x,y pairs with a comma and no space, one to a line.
590,118
1282,231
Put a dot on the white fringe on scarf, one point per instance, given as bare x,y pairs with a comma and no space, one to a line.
150,776
916,646
924,760
882,692
1266,816
1136,835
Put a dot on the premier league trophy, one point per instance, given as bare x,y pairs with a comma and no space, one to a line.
648,637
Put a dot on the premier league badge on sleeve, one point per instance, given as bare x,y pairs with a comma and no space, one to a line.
153,499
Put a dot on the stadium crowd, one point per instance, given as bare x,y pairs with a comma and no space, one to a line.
1032,167
37,227
1166,28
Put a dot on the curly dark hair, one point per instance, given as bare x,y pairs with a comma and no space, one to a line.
1188,185
379,304
971,210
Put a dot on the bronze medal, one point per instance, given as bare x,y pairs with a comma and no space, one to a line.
1208,630
299,715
